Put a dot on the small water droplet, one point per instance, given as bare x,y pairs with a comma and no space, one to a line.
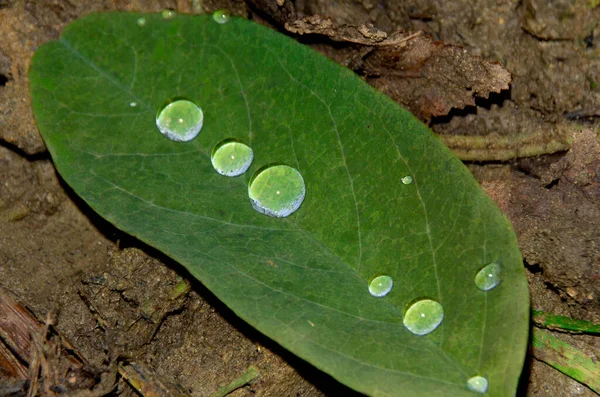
478,384
133,104
221,16
423,316
277,190
231,157
407,180
180,120
141,22
489,277
381,286
168,14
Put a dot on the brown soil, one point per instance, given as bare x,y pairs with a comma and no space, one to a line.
57,256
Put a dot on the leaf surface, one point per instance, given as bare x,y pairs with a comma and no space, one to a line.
301,280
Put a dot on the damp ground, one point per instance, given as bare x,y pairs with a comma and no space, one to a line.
59,258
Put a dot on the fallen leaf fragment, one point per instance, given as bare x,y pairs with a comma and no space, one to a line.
426,76
366,34
430,77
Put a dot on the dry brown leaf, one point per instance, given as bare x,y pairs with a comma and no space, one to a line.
430,77
366,34
426,76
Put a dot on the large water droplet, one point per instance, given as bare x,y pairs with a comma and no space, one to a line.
407,180
168,14
277,190
381,286
423,316
489,277
141,21
231,157
180,120
221,16
478,384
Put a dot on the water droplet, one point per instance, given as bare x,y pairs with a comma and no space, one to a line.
277,190
141,22
478,384
133,104
221,16
231,157
407,180
180,120
168,14
489,276
381,286
423,316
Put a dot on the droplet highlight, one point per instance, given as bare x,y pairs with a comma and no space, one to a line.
180,120
423,316
133,104
489,277
478,384
231,157
277,191
141,22
380,286
407,180
168,14
221,16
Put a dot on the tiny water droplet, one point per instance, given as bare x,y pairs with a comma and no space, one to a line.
489,276
381,286
180,120
277,190
221,16
478,384
231,157
168,14
423,316
133,104
141,22
407,180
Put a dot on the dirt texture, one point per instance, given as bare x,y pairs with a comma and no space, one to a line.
116,299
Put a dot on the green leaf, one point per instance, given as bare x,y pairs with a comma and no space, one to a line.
303,280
